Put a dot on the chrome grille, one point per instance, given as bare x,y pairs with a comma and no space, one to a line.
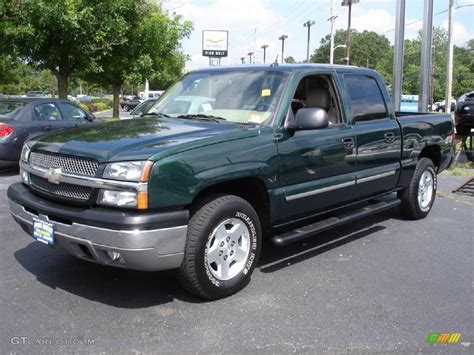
76,192
68,164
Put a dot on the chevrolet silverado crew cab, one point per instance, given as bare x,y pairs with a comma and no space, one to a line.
226,157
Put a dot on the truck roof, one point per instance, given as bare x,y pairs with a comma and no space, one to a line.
284,67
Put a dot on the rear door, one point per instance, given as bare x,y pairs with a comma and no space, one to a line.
377,133
73,116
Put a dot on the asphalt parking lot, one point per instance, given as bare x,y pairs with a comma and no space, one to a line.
381,284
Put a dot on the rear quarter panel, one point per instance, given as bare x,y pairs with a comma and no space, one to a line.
422,130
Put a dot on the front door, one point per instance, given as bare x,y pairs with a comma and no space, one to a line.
317,167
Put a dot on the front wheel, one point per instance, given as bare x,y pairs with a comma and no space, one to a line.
222,247
126,108
419,197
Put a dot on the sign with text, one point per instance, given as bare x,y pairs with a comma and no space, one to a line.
215,43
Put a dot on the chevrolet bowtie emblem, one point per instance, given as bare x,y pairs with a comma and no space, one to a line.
53,175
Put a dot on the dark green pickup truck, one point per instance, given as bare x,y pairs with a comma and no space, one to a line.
225,158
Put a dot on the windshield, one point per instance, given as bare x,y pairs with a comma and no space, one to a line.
236,96
10,109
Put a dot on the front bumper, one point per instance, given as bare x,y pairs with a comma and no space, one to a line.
144,241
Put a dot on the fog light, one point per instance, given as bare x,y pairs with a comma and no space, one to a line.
113,255
25,177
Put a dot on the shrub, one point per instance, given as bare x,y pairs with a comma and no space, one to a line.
105,101
101,106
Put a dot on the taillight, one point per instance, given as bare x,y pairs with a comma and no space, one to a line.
5,130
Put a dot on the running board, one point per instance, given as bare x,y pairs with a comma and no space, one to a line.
321,226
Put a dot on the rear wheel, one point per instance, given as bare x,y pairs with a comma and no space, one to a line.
126,108
419,197
222,247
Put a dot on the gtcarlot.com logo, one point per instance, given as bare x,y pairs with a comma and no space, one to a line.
24,340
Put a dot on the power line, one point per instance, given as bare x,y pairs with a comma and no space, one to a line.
436,14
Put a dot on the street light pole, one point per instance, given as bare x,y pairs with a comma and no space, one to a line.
349,3
250,57
332,19
334,48
282,39
398,54
242,59
449,69
308,24
264,47
426,41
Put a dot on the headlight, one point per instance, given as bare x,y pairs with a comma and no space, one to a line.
127,171
118,198
25,153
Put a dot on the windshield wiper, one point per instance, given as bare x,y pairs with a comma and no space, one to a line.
201,116
155,114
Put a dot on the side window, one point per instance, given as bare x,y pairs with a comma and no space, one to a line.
366,98
46,112
317,91
72,112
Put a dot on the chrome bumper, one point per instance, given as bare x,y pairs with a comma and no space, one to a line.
148,250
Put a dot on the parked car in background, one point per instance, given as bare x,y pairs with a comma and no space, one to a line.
142,109
38,93
151,94
409,103
128,105
441,106
464,119
21,119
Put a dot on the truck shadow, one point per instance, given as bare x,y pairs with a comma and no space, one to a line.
274,258
108,285
134,289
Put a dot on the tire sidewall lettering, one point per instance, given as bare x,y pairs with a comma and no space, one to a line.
252,255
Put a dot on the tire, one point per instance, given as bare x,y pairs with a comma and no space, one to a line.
126,108
211,245
417,199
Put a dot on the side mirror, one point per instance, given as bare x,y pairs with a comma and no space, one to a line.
308,119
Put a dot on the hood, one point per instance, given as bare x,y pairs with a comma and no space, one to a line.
139,139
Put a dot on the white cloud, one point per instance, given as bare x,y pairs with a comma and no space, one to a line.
379,21
240,18
460,33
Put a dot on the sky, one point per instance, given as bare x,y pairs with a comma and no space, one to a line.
252,23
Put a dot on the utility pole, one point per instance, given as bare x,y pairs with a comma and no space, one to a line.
250,54
332,19
242,59
308,24
282,39
449,69
426,40
264,47
398,54
349,35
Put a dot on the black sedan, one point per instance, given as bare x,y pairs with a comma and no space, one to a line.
464,114
23,118
128,105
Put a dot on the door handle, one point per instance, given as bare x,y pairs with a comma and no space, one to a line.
348,142
389,137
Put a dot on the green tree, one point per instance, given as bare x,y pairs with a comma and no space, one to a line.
463,68
290,60
63,36
367,48
150,49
